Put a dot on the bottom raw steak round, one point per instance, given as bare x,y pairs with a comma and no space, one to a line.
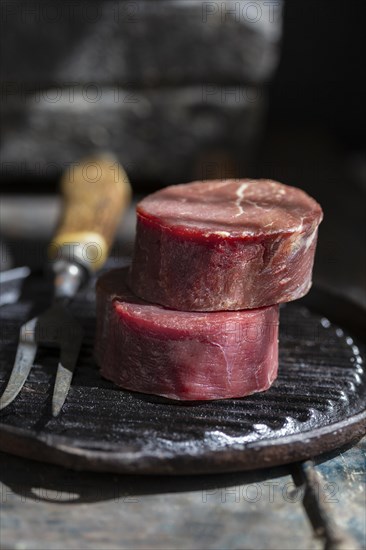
183,355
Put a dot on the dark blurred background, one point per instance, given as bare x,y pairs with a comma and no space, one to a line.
181,90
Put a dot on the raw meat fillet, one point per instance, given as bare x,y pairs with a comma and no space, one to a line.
183,355
225,245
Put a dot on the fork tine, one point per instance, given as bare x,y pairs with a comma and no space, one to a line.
26,352
65,370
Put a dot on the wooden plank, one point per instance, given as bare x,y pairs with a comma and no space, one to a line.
47,507
343,482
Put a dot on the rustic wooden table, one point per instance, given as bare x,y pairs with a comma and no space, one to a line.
304,506
47,507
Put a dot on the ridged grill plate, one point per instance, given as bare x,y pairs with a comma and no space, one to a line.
317,403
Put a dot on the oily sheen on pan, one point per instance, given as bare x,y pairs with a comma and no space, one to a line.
225,245
183,355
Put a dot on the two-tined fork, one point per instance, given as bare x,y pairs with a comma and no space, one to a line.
95,192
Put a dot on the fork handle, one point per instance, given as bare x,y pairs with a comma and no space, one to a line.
96,193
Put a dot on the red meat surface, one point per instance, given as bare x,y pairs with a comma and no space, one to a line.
225,245
183,355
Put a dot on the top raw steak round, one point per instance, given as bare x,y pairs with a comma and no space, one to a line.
225,245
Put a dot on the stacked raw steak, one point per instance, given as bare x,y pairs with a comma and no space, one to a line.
196,316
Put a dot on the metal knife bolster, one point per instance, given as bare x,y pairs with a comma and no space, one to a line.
70,276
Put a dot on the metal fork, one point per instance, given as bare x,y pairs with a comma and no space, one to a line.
96,193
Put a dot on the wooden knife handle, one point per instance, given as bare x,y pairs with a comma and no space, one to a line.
96,193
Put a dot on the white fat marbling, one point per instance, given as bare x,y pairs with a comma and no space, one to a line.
222,233
240,194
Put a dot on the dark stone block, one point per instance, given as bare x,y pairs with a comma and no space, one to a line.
139,43
161,136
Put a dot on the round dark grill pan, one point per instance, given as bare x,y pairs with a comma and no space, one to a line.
317,403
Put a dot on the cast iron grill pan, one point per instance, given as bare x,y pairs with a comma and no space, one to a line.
317,403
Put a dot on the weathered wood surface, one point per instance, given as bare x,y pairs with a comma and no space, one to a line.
343,477
47,507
